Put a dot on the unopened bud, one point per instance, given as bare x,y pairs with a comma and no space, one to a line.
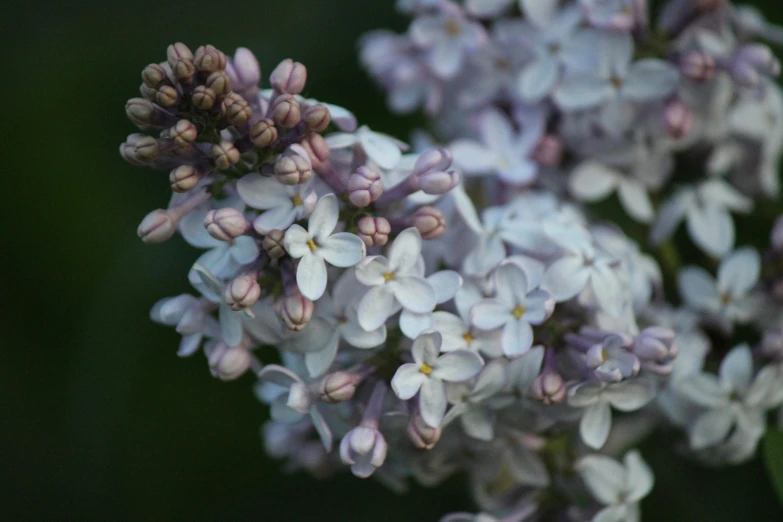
776,239
145,113
549,387
338,387
208,59
154,75
148,93
219,82
289,77
244,69
317,117
167,96
656,349
772,344
178,51
225,224
183,133
228,363
263,132
156,227
243,291
364,186
374,231
430,222
438,182
236,109
295,310
422,435
147,148
697,65
760,57
224,154
317,150
744,74
549,151
677,119
293,169
184,178
203,97
273,243
286,111
432,160
184,71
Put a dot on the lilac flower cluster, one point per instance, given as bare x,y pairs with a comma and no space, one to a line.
464,307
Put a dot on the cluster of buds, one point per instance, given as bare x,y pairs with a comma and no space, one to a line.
458,308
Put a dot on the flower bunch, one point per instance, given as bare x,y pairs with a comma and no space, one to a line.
466,306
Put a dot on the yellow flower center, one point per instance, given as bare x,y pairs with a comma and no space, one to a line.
426,369
468,338
388,275
311,244
616,81
452,27
296,200
519,311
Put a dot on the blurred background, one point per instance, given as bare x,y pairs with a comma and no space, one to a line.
101,420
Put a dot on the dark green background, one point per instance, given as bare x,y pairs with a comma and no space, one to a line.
100,419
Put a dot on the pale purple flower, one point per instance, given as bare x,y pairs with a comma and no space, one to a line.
617,486
187,313
284,204
384,150
593,181
468,399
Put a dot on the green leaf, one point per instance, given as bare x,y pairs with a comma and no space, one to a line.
773,458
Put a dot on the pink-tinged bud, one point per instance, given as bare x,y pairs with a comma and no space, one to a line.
364,186
338,387
374,231
145,113
243,291
148,93
146,148
183,133
549,387
156,227
317,118
185,177
244,69
286,111
226,224
208,59
292,168
184,71
154,75
203,97
289,77
228,363
167,96
224,154
677,119
656,349
549,151
295,310
430,222
317,150
697,65
263,133
422,435
434,159
273,244
219,82
178,51
236,109
776,239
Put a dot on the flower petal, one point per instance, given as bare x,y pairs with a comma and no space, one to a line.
323,219
489,314
517,337
603,476
311,276
739,272
407,381
595,424
414,293
432,402
457,366
342,249
405,251
375,307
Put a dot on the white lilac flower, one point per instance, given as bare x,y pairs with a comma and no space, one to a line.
517,304
458,334
705,207
611,14
231,330
188,315
284,204
364,447
429,372
732,399
729,297
384,150
504,151
593,181
340,309
617,486
598,399
395,282
611,361
319,245
445,283
472,401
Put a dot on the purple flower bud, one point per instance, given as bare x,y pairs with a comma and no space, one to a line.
549,387
317,150
178,51
760,57
263,133
776,239
236,109
430,222
438,182
225,224
772,344
273,244
422,435
203,97
224,154
697,65
146,148
744,74
185,177
144,113
677,119
299,398
243,291
549,151
286,111
219,83
243,69
208,59
228,363
154,75
167,96
364,186
156,227
184,132
317,117
293,167
656,349
611,361
295,310
374,231
289,77
364,449
338,387
432,160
